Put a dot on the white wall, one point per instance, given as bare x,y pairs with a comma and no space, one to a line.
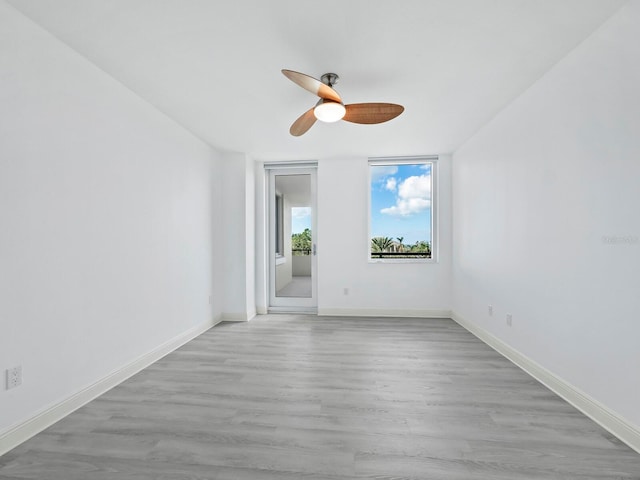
301,265
238,237
283,274
260,239
546,221
374,288
250,237
110,214
284,270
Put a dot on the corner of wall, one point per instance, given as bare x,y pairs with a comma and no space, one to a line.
599,413
23,431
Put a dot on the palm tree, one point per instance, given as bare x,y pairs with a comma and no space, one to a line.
400,244
381,244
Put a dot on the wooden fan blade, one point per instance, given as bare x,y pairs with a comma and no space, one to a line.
313,85
303,123
369,113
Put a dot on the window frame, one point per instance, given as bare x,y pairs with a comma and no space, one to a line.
279,225
413,160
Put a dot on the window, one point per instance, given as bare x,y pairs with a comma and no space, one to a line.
279,240
401,204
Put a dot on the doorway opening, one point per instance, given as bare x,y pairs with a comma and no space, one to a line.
292,244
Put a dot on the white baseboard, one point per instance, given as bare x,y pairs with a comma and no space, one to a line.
261,310
23,431
599,413
383,312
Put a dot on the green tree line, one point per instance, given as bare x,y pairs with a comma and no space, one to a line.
301,242
388,244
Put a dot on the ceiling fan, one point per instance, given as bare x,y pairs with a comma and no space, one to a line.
330,107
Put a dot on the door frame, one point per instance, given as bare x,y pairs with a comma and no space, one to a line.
290,304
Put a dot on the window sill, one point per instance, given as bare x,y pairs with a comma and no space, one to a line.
280,260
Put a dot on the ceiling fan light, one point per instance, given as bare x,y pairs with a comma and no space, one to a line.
329,112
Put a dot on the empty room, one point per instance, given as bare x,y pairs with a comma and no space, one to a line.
333,241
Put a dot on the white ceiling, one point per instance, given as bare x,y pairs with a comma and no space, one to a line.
297,189
214,66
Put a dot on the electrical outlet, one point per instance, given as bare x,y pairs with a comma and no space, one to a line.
14,377
509,319
346,291
490,310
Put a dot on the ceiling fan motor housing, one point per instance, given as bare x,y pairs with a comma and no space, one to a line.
330,79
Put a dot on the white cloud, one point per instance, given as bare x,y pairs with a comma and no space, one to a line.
379,172
407,207
391,184
300,212
414,196
416,187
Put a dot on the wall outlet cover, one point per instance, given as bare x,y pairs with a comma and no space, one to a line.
14,377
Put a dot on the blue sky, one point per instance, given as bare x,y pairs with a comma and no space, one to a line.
401,202
300,219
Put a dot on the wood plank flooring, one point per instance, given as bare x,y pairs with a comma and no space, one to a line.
304,397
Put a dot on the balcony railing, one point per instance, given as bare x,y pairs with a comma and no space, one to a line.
302,252
400,254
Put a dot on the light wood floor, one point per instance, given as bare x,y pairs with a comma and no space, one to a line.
303,397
